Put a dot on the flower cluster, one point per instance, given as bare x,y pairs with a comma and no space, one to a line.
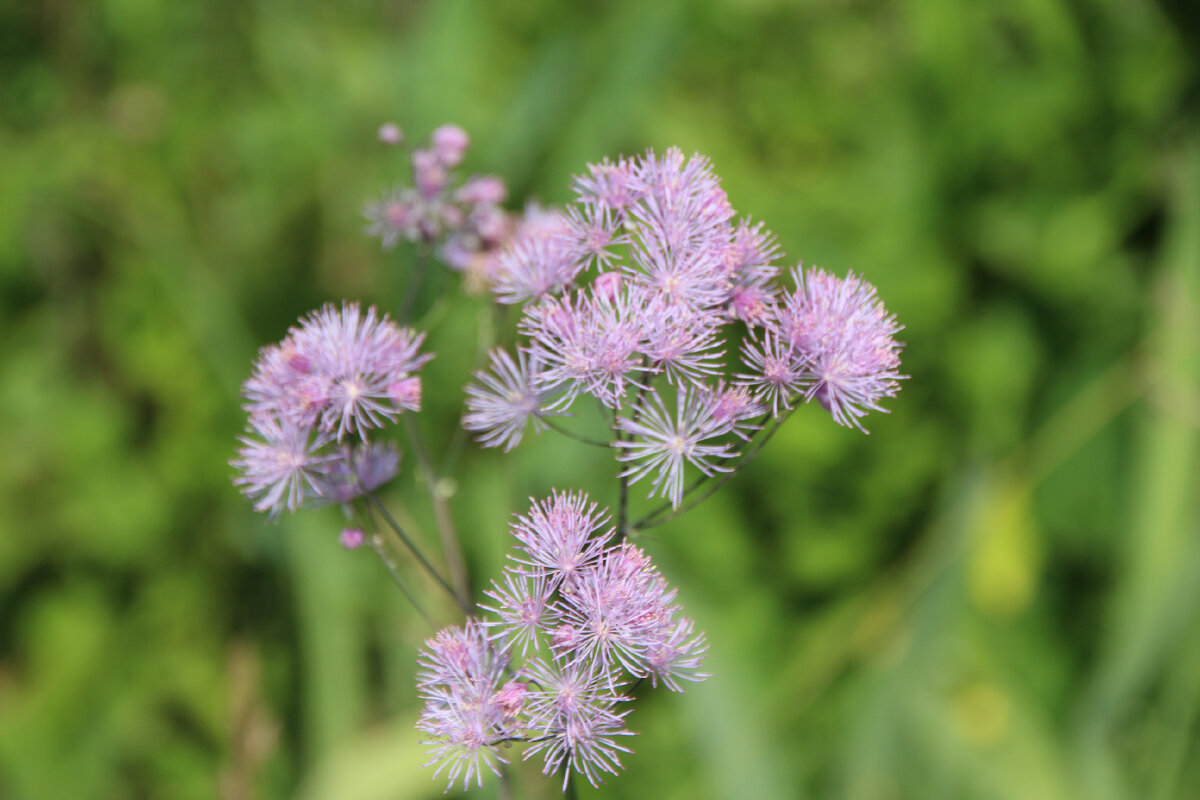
464,218
586,617
333,378
636,297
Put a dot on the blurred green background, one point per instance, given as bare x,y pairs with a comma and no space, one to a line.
994,595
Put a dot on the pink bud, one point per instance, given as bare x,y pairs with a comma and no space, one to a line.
607,285
565,638
450,143
429,172
483,189
390,134
511,697
352,538
406,393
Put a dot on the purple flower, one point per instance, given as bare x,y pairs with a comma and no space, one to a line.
608,616
280,464
503,402
561,536
390,134
681,342
594,229
573,719
732,409
466,714
620,608
682,205
535,264
587,343
401,214
676,656
847,340
336,370
690,277
663,442
522,604
356,470
779,373
613,186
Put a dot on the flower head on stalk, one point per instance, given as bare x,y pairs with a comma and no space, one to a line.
280,464
465,714
505,401
608,616
338,374
846,338
662,442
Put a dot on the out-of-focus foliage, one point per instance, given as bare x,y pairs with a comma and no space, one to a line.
994,595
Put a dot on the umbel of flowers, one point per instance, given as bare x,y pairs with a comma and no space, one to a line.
578,617
648,295
636,297
338,375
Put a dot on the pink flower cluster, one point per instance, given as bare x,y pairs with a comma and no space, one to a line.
596,615
337,375
636,296
465,219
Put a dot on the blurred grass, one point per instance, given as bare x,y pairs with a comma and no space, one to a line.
993,595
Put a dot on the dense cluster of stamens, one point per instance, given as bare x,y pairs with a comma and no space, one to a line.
577,618
639,297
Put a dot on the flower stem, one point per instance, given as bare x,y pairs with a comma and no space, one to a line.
380,548
623,529
441,510
656,518
414,284
395,526
571,435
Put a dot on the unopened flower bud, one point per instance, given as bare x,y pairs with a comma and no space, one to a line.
450,143
429,172
607,285
352,538
406,393
483,190
511,697
390,134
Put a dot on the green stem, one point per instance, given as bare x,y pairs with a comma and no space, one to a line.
441,509
414,285
395,526
571,435
652,519
380,548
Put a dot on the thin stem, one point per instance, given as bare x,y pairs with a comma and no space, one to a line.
441,510
414,285
622,486
506,792
571,435
395,526
485,339
570,791
652,520
623,480
380,548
